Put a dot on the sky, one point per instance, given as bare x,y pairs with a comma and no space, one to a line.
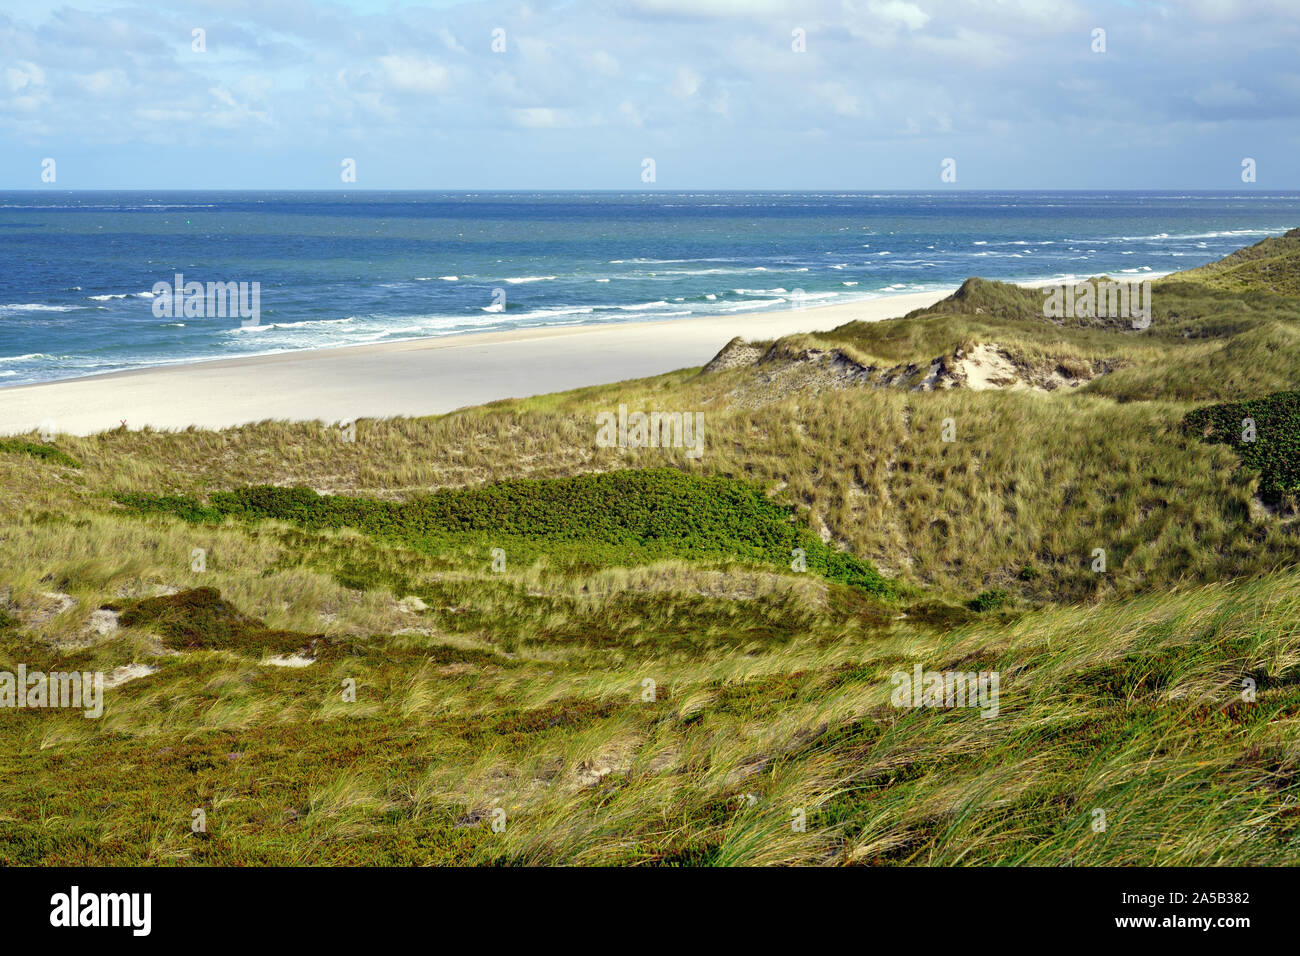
719,94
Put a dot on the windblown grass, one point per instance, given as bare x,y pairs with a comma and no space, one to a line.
647,679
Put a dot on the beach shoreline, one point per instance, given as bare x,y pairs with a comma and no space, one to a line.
422,376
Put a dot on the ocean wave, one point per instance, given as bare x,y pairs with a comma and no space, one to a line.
516,280
620,262
551,313
121,295
272,326
706,272
642,306
1179,237
113,206
756,304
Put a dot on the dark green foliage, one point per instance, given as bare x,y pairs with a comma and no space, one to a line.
187,509
989,600
48,453
199,619
636,515
939,615
1275,451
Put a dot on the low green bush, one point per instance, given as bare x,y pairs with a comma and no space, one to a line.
1271,448
44,452
622,514
989,600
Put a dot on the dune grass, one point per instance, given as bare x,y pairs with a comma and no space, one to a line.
1135,710
642,674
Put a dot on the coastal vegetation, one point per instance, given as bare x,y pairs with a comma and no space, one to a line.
480,638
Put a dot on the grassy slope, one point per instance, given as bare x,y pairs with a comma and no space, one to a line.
523,690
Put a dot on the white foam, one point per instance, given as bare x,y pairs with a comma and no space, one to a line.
642,307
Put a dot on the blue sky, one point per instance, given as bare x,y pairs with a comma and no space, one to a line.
712,90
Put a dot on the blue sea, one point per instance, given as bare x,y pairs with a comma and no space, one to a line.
335,269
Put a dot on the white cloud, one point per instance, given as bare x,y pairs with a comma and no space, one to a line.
449,41
603,63
708,71
628,112
22,75
1224,95
103,83
415,74
966,45
839,98
686,84
899,11
715,8
232,113
541,117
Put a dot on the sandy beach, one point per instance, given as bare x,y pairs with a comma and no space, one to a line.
419,377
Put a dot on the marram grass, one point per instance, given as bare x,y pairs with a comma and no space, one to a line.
516,647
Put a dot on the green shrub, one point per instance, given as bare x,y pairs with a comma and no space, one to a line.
1274,451
44,452
200,619
989,600
646,514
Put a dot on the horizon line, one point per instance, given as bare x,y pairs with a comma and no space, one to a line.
608,189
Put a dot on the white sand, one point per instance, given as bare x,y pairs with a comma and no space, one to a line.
127,672
420,377
289,660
